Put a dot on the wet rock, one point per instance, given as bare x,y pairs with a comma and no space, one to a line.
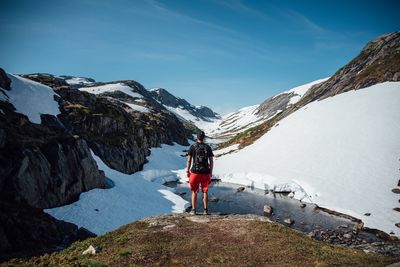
396,190
367,214
288,221
240,189
343,226
398,183
213,199
267,210
397,225
396,209
302,205
182,193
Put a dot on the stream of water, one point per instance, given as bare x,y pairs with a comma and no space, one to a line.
224,198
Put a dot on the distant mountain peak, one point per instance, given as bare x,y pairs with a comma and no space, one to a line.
179,106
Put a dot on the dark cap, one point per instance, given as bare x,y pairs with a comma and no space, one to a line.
200,135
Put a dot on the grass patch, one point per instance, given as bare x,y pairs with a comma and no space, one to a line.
230,242
78,106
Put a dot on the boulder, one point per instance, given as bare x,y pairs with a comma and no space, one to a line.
289,221
91,250
240,189
302,205
267,210
396,190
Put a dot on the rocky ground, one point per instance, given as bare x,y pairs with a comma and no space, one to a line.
183,240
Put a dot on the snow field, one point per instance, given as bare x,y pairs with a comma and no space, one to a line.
341,153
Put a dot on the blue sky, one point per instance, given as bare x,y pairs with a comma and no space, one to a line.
225,54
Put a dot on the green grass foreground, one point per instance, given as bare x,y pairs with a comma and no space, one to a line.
181,240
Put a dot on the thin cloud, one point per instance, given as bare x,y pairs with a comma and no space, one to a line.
157,5
306,23
162,56
241,7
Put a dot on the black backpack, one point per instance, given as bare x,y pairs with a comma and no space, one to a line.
200,162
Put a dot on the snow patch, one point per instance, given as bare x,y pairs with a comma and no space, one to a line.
132,197
77,80
32,98
112,88
137,107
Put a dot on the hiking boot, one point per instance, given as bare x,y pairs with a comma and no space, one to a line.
192,212
205,212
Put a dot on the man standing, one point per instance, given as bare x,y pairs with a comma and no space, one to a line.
201,171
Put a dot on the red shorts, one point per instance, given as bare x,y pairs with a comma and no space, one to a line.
196,179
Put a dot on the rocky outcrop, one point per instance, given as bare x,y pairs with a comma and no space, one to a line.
379,61
46,79
43,166
4,80
27,231
274,104
121,137
166,98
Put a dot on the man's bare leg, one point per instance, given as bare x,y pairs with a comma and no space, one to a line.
194,199
205,201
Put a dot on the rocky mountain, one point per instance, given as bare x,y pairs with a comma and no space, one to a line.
42,166
48,129
379,61
252,116
181,107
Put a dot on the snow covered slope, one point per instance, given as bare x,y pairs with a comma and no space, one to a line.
133,197
31,98
247,117
341,153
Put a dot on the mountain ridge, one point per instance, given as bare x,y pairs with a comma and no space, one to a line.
377,62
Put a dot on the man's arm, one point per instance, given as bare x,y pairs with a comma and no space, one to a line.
188,164
211,165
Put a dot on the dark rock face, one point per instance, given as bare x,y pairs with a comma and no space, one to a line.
206,112
379,61
121,137
42,166
27,231
46,79
5,81
166,98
